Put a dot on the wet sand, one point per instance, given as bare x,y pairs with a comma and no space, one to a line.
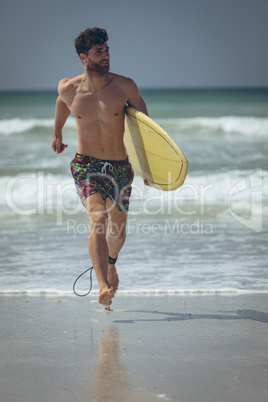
188,348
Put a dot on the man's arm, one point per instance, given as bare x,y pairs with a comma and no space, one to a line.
134,98
136,101
61,115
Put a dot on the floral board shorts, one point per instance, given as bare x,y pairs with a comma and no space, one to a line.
108,178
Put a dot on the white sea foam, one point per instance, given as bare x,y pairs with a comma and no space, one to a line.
39,193
226,125
236,190
18,125
141,291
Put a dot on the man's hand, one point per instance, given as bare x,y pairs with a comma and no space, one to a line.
146,183
58,145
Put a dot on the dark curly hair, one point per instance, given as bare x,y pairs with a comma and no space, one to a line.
88,38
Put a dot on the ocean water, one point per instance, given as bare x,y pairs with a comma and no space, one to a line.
208,236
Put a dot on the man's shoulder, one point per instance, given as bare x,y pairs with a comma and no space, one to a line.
68,83
122,80
68,86
126,84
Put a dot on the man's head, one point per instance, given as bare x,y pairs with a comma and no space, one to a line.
93,51
90,37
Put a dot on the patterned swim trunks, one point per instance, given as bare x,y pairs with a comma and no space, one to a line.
108,178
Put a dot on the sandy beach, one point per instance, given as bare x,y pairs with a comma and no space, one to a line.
166,347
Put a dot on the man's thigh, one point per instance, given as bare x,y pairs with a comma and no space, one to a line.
95,205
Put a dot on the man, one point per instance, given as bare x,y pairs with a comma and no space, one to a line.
101,170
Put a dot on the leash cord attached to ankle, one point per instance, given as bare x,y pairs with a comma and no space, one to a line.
112,260
90,278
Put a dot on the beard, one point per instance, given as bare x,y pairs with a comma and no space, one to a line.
97,68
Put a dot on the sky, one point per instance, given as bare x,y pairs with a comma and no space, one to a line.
158,43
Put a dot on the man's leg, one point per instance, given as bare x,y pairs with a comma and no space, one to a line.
97,245
115,239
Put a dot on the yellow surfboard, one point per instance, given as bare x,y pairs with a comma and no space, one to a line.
152,152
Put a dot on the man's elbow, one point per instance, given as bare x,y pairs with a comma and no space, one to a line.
139,105
143,107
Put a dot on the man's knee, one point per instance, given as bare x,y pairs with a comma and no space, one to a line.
98,220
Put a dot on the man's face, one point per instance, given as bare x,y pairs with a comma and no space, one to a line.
98,59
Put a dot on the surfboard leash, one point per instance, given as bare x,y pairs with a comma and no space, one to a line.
90,279
110,261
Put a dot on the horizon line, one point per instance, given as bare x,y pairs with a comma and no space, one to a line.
201,88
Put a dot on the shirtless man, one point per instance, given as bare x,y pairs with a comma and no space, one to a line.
101,170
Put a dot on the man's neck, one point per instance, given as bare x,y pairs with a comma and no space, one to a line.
95,81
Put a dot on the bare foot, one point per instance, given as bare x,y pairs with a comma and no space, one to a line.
106,296
113,277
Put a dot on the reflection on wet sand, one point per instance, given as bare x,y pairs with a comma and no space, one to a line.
109,378
106,379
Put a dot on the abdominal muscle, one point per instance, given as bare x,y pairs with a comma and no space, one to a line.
102,140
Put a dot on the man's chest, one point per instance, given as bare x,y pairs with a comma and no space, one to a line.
90,106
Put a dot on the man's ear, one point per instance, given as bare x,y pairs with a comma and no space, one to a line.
82,57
